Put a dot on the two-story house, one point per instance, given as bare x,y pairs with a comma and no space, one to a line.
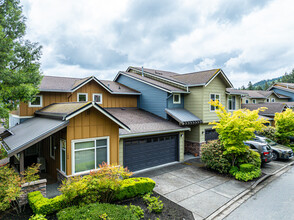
285,89
183,98
74,124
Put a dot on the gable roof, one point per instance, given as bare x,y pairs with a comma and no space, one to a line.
68,110
68,84
256,94
283,86
272,108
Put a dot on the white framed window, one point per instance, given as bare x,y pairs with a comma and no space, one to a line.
52,146
246,101
82,97
273,100
97,97
267,100
214,97
38,102
87,154
254,101
176,98
232,102
63,155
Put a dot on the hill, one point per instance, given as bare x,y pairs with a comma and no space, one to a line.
268,81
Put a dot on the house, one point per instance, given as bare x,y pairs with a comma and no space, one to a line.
260,96
183,98
285,89
74,124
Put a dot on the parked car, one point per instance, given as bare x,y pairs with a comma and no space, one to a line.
263,149
279,151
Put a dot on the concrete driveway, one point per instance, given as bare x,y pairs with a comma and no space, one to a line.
199,190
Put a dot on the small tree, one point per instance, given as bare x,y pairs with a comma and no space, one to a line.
284,126
235,128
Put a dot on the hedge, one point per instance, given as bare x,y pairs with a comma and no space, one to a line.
247,167
129,188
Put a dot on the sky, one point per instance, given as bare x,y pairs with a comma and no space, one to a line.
249,40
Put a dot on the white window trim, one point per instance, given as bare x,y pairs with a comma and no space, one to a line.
100,97
246,101
273,99
41,102
215,94
235,103
179,102
85,140
268,100
253,101
82,94
61,139
50,148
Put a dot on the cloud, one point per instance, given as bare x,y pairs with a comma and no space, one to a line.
249,40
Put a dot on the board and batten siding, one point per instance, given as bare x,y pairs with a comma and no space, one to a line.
152,99
108,100
92,124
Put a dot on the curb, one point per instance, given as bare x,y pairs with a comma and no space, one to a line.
238,200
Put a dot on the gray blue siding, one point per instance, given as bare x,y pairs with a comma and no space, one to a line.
170,103
151,99
286,93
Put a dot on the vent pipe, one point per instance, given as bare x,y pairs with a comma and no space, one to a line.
108,85
142,71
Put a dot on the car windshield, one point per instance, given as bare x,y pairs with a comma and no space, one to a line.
270,142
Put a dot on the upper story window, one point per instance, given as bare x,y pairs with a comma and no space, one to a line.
97,98
82,97
232,102
267,100
177,99
273,100
214,97
254,101
38,102
246,101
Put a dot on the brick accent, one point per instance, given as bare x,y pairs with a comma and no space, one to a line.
38,185
193,147
60,176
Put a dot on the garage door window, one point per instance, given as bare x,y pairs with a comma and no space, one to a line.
89,154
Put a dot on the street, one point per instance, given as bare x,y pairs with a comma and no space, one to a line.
275,201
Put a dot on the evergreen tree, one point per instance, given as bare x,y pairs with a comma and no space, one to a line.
250,86
266,86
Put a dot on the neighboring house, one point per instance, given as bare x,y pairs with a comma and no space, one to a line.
269,112
75,124
285,89
183,98
260,96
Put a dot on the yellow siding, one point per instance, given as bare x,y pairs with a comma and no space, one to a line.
194,134
193,101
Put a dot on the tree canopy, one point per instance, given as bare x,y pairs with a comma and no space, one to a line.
20,72
284,126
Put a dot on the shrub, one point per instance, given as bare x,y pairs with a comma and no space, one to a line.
212,156
3,153
284,126
45,206
246,176
37,217
134,186
268,132
136,210
246,167
154,204
97,211
31,173
251,157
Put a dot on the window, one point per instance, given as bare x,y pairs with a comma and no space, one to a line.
97,98
82,97
254,101
273,100
177,99
214,97
232,102
267,100
88,154
52,147
38,102
246,101
63,155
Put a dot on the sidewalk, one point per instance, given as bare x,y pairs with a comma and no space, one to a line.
199,190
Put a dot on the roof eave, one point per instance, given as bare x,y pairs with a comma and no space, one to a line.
216,74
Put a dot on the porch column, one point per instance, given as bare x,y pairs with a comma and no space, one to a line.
21,162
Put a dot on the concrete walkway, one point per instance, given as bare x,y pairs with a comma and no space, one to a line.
197,189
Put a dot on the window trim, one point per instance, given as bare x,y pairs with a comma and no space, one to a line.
215,94
86,140
50,148
41,102
64,172
82,94
268,100
273,99
229,105
253,101
100,94
246,101
174,102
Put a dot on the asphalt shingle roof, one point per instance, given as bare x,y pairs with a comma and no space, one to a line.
272,107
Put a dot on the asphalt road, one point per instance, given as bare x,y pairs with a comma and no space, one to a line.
275,201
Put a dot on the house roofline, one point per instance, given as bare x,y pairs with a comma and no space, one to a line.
153,133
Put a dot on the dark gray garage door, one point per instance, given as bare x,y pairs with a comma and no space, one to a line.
210,134
141,153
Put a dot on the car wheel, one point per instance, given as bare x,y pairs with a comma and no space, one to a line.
275,156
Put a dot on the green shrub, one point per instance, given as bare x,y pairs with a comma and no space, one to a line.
97,211
154,204
212,156
251,157
247,167
134,186
37,217
269,132
45,206
136,210
246,176
234,170
3,153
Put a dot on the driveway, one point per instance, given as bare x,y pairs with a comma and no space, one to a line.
197,189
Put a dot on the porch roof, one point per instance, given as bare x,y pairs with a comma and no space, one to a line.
31,132
183,116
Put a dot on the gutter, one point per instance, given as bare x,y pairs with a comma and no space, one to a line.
153,133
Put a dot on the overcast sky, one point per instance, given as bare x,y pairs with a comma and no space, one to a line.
249,40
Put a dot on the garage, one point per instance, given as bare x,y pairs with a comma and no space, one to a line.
211,134
145,152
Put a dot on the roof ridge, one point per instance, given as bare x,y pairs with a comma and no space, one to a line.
183,74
